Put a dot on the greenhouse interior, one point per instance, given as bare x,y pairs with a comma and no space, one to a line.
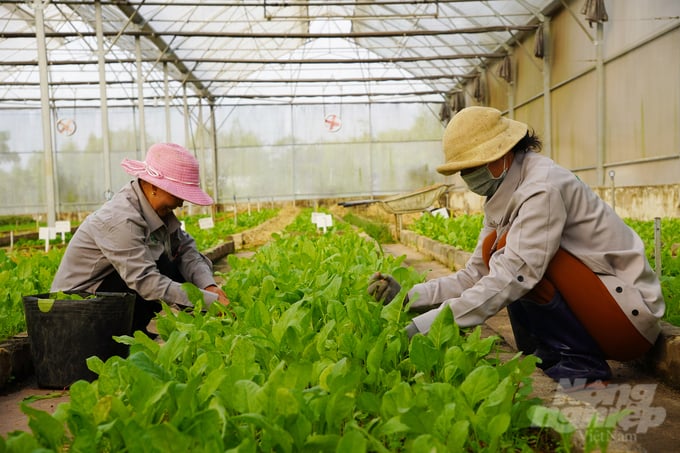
326,145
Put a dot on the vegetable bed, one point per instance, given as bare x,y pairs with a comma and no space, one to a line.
29,270
305,360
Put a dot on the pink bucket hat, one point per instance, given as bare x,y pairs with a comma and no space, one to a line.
172,168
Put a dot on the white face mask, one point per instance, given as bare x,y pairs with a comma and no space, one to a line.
482,181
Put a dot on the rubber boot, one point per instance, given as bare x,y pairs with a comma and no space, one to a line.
526,342
568,350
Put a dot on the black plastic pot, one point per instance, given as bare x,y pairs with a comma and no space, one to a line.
64,333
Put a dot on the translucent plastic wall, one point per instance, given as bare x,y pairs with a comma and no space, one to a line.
264,153
78,158
296,152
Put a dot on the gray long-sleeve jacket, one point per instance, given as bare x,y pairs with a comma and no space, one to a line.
126,235
543,206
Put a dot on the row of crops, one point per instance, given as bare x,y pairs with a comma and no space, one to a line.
27,269
462,232
304,361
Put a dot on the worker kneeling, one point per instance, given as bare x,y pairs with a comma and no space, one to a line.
574,277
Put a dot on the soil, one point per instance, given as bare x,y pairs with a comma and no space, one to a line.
261,234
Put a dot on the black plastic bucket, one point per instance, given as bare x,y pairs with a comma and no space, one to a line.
64,333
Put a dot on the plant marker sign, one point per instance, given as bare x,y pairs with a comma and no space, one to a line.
206,223
322,220
47,234
63,227
332,122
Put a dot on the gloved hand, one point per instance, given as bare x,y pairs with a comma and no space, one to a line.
383,287
411,330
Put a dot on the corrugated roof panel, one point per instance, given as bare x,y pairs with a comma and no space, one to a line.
226,49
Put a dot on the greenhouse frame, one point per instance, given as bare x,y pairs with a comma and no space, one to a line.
338,99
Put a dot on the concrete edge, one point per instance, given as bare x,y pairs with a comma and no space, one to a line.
221,250
15,359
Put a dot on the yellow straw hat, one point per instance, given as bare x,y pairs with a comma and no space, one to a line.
476,136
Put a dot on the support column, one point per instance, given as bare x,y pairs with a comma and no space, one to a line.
293,154
547,91
166,93
601,115
371,150
511,100
45,109
213,127
140,96
185,112
199,128
106,147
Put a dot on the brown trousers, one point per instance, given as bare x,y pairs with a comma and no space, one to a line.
589,300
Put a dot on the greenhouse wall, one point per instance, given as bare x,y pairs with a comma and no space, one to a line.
79,163
286,152
295,152
263,153
640,102
640,159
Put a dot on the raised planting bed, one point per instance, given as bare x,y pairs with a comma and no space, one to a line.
305,360
15,359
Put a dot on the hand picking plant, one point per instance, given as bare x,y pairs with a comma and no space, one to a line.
307,362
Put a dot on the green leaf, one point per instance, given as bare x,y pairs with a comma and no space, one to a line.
322,442
479,384
423,353
194,294
94,364
443,329
165,437
428,443
352,441
49,431
392,426
272,435
397,400
375,355
545,417
498,426
243,397
45,305
339,410
286,402
20,441
458,435
146,364
83,396
499,400
210,385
